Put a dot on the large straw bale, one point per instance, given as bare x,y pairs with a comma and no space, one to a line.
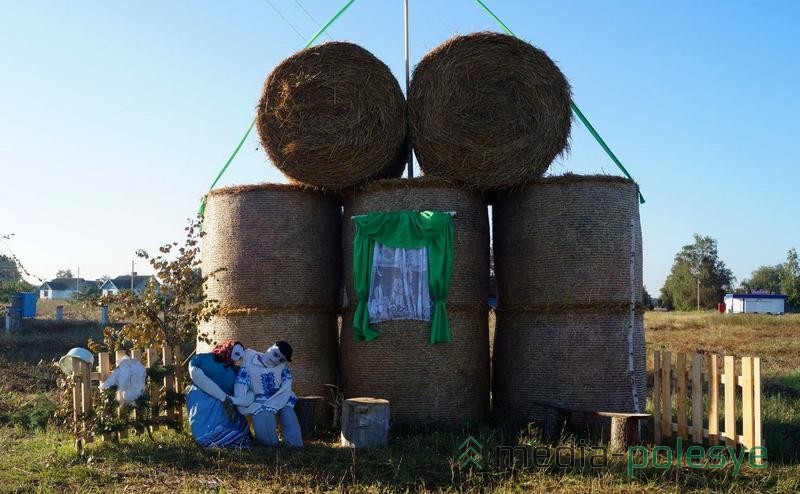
488,110
446,383
333,116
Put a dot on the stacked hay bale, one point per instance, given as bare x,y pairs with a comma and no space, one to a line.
444,383
488,110
333,116
568,257
274,255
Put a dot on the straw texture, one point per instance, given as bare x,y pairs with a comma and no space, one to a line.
312,336
567,240
277,246
488,110
568,258
447,383
575,360
333,116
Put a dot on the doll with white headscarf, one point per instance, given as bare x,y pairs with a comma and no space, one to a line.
267,376
210,402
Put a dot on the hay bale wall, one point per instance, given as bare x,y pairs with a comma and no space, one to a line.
312,335
278,252
568,255
333,116
446,383
276,246
488,110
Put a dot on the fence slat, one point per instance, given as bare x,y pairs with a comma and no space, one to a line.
713,400
178,380
730,401
657,397
86,397
746,382
121,411
666,395
680,393
77,391
103,365
757,440
152,360
697,398
169,379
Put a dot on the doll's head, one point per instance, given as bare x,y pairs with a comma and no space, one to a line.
277,354
228,352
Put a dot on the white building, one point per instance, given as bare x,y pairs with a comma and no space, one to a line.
63,288
115,285
755,303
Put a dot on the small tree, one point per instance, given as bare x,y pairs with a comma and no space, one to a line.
167,312
697,262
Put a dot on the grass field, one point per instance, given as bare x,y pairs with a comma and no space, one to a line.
41,459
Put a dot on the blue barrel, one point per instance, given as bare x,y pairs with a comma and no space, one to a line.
16,304
29,300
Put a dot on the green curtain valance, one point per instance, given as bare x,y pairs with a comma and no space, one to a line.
404,230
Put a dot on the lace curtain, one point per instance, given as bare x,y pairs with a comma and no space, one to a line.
399,287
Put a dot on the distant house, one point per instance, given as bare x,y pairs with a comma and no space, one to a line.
120,283
755,303
63,288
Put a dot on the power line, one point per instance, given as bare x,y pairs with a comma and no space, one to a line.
312,18
286,20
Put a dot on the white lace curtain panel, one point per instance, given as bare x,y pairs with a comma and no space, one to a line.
399,284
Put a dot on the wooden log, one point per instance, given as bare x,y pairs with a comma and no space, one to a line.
624,429
365,422
307,409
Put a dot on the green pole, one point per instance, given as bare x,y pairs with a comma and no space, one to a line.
575,109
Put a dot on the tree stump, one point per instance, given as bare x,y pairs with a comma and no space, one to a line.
624,429
308,409
365,422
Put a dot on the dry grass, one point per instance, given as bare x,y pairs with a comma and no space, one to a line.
46,309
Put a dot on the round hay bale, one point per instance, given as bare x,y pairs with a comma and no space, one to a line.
312,336
333,116
576,360
567,240
568,258
488,110
274,246
446,383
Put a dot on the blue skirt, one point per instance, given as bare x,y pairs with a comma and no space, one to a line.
211,425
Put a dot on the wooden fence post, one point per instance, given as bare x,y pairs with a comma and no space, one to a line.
77,400
730,401
666,395
179,382
680,393
122,412
697,398
152,361
86,399
713,400
169,380
757,440
657,397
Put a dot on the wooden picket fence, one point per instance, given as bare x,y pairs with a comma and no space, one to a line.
88,380
708,380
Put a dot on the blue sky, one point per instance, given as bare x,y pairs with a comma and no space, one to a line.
116,116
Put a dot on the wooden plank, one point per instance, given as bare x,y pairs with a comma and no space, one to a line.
757,439
713,400
104,365
86,395
657,397
746,382
77,398
666,396
169,379
178,380
697,398
136,353
730,401
118,356
152,360
680,394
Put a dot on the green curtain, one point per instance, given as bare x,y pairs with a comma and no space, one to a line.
404,230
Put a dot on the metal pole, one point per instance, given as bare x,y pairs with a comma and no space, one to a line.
698,293
410,156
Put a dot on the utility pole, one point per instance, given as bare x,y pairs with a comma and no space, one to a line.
698,294
410,156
